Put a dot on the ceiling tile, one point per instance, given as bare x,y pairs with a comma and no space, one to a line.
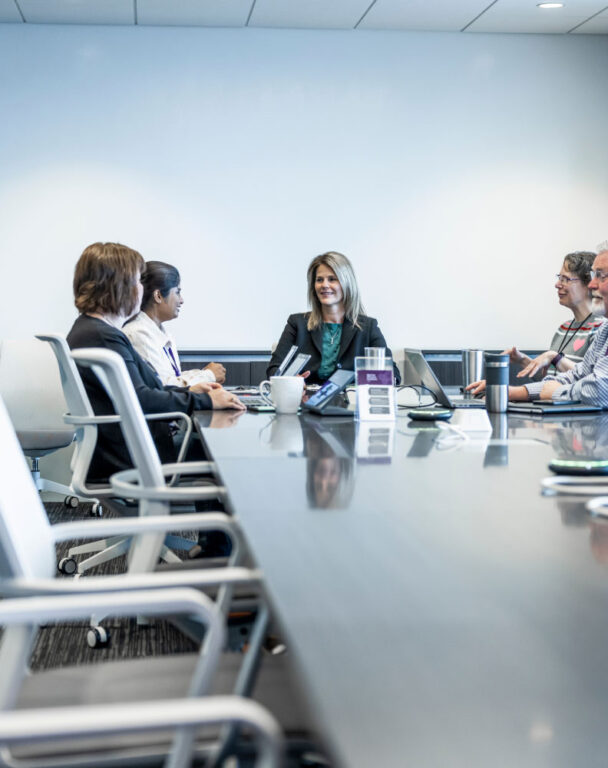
9,12
598,25
312,14
78,11
440,15
525,16
192,13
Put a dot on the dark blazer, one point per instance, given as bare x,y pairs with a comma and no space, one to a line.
111,452
352,344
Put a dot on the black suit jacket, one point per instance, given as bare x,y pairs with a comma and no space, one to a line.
111,452
352,344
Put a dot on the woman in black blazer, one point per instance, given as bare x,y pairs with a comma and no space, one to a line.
336,330
107,291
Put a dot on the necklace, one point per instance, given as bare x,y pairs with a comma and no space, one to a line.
333,335
571,332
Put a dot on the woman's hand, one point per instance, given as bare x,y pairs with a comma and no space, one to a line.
218,370
221,398
515,356
540,364
477,387
204,387
224,419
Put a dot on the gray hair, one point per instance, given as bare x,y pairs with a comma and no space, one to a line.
580,262
602,247
343,269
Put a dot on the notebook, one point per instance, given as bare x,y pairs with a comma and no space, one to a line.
549,407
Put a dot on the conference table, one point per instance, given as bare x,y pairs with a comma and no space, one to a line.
440,609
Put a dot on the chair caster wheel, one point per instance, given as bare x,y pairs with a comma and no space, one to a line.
97,637
68,566
96,510
71,501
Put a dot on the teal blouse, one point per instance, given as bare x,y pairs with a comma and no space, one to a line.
332,335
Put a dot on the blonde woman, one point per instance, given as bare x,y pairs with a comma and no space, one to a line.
336,330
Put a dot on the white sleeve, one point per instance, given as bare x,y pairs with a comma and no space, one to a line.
197,375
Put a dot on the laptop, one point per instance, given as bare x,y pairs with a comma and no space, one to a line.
551,407
417,372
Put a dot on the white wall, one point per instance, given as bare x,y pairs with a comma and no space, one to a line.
454,169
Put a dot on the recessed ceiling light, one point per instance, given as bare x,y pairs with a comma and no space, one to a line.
549,5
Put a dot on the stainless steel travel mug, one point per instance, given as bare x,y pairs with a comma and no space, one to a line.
472,366
497,382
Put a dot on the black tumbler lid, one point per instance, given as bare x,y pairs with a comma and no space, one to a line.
494,357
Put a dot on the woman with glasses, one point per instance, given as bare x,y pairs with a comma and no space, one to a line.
573,337
336,330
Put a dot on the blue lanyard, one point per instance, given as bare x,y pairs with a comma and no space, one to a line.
174,365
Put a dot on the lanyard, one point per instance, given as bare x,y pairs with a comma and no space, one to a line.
174,365
571,332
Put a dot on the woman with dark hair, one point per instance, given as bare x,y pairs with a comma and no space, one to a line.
161,302
336,330
107,291
573,337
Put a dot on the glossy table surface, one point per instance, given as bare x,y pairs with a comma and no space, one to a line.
442,611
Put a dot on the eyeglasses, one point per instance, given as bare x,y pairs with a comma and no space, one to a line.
567,280
597,274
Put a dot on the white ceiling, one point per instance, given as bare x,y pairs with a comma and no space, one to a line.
577,16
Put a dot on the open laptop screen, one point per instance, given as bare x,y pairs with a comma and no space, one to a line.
417,372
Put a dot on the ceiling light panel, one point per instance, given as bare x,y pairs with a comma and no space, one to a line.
440,15
9,12
311,14
526,16
78,11
192,13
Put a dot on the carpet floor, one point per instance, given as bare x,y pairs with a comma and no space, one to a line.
65,644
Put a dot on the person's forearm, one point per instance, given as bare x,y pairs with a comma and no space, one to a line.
565,364
518,393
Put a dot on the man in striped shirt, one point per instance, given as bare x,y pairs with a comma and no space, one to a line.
588,380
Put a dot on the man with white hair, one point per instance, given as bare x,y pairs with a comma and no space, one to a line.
588,380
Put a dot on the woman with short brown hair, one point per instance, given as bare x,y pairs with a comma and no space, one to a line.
107,291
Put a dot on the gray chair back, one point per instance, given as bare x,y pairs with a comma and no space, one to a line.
27,547
79,405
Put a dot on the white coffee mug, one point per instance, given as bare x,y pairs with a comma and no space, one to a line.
285,393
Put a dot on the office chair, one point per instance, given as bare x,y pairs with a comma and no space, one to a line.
146,482
27,569
32,393
99,705
83,419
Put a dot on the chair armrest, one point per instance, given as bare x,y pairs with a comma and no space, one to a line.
151,602
19,614
131,582
126,484
141,717
86,420
187,435
130,526
114,418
